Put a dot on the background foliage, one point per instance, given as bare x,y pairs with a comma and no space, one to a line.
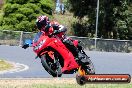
115,18
20,15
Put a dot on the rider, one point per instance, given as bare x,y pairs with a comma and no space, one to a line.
53,27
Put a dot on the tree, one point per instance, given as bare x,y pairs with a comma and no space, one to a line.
114,18
20,15
85,11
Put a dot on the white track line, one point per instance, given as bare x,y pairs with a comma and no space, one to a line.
17,68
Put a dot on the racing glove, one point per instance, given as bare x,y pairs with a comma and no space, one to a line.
25,46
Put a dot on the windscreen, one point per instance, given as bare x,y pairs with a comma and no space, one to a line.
37,36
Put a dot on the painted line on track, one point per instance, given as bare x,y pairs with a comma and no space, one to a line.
17,67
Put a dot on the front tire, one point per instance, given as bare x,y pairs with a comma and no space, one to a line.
52,68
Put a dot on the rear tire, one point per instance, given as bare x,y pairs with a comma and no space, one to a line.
46,64
89,68
86,63
80,80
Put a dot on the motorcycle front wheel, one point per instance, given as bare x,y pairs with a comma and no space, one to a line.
51,65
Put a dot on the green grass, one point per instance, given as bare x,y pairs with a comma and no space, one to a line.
5,65
84,86
67,20
55,83
70,86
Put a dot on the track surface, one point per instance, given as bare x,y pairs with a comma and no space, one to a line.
104,62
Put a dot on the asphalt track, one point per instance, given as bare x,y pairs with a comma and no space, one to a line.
104,62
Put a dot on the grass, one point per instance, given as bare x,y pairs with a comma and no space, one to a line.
55,83
10,42
67,20
84,86
5,65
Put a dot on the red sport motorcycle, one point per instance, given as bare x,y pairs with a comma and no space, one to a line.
57,59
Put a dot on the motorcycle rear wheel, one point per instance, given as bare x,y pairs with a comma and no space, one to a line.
52,68
86,64
89,68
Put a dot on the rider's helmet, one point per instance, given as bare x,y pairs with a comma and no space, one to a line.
42,21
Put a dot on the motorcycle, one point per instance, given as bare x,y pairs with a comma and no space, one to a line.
57,59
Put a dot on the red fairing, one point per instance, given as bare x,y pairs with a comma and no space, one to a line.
44,41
